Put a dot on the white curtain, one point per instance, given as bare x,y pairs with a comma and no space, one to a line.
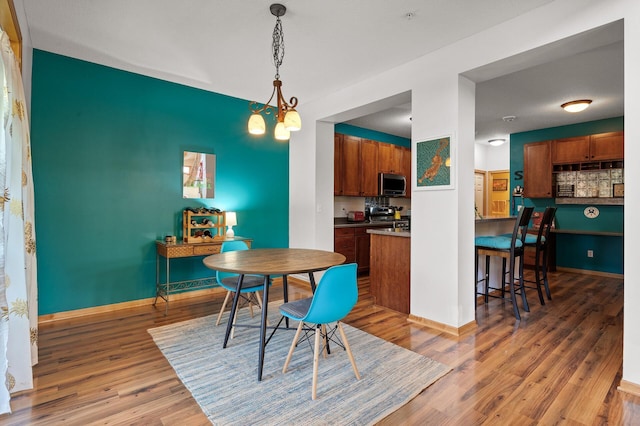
18,279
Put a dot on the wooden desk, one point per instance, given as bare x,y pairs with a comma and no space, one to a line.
176,250
268,262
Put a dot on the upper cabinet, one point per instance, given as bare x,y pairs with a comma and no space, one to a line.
537,170
390,158
603,146
358,162
355,166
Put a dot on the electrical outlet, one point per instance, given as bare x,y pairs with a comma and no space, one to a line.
589,253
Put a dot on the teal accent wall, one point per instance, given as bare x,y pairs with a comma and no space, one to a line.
107,150
572,249
348,129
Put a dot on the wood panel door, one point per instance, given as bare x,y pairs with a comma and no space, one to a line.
338,164
368,168
607,146
537,170
570,150
350,165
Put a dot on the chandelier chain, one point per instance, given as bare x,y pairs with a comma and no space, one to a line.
277,46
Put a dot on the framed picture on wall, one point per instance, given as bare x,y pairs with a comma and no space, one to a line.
500,184
434,168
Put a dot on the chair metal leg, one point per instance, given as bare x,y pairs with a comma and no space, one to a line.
538,281
293,347
316,355
348,348
504,278
544,274
487,265
523,293
516,311
224,305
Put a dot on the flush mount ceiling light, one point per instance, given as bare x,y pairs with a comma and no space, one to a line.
576,106
496,142
287,118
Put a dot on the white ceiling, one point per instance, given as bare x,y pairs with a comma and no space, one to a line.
225,47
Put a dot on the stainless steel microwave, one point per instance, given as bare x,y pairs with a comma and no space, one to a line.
392,185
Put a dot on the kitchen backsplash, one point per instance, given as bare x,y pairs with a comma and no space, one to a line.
342,205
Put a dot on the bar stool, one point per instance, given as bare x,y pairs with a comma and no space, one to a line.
541,243
508,248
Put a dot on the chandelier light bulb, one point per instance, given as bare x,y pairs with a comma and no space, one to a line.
292,121
256,124
280,132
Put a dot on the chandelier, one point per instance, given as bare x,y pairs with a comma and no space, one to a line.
287,118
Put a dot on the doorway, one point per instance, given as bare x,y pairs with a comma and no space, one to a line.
498,193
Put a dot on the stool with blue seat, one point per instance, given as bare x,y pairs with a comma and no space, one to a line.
541,244
509,248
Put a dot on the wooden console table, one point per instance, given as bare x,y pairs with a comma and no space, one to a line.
180,249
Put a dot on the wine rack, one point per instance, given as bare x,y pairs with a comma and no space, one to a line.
201,225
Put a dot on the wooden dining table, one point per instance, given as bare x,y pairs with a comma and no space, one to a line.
269,262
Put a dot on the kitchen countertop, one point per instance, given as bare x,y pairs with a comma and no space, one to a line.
391,232
494,219
342,222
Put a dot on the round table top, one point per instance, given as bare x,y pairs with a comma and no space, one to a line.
273,261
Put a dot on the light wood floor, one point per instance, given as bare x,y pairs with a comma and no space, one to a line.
560,365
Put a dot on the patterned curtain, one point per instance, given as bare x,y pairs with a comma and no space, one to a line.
18,275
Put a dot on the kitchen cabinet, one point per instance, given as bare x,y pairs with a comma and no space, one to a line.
355,166
368,168
344,243
357,163
354,243
603,146
537,170
338,163
390,158
363,241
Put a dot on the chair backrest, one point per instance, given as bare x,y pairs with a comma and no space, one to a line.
335,296
230,246
545,226
520,228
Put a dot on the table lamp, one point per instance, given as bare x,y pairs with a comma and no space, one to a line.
231,221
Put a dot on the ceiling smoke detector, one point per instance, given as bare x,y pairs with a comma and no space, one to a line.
509,118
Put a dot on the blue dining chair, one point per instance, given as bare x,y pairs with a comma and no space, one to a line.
251,284
335,296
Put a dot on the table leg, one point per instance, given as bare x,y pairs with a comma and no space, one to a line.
234,306
263,324
157,278
285,289
312,281
166,293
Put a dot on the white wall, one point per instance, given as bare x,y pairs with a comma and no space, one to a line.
442,221
490,158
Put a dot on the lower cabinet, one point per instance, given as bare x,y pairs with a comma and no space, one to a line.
354,244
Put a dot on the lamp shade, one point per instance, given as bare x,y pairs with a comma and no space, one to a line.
256,124
281,133
576,106
292,121
231,219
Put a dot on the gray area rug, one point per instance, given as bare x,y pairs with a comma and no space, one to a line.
224,381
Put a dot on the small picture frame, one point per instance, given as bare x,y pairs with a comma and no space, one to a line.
434,166
500,184
618,190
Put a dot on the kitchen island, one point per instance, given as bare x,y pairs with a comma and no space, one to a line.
390,270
